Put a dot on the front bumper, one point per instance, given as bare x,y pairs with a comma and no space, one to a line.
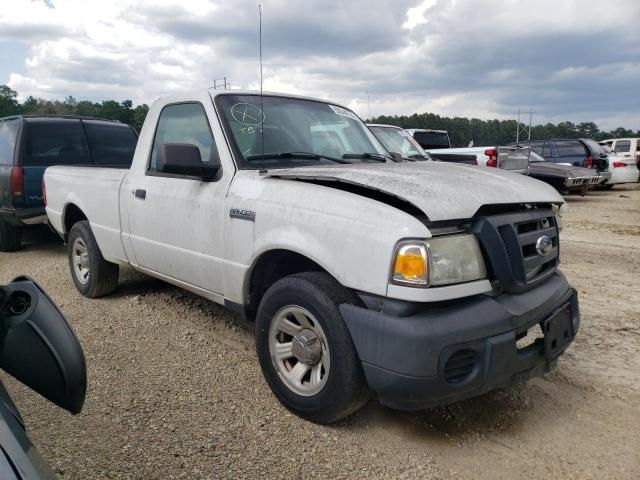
581,182
420,355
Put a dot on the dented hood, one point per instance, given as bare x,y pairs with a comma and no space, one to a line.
443,191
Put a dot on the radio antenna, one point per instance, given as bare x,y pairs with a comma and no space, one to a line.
261,102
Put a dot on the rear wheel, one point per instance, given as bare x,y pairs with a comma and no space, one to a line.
10,237
92,274
305,349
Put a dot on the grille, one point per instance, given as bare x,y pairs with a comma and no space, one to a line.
459,366
572,182
510,244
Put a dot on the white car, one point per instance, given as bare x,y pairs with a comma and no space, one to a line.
410,279
623,168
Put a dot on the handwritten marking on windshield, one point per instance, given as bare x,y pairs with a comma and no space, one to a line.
247,114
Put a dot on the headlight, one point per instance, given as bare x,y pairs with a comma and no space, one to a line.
438,261
410,266
558,211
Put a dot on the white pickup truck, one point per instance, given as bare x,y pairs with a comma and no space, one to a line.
437,144
422,282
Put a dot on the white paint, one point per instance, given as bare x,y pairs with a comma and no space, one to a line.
183,233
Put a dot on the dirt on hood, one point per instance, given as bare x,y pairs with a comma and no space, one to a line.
442,191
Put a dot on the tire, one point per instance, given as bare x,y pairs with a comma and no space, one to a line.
342,389
607,186
93,276
10,237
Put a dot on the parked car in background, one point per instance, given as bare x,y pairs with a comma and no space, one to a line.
436,142
623,169
28,145
512,158
39,349
430,139
564,178
625,147
515,159
438,145
411,280
582,152
398,141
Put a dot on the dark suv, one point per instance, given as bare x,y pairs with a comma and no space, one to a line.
581,152
28,145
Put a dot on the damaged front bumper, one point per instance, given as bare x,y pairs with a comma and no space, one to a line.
417,355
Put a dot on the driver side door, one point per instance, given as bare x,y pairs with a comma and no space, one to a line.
176,221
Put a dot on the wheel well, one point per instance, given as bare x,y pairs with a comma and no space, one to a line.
72,215
270,267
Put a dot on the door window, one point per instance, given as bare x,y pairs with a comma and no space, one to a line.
183,123
623,146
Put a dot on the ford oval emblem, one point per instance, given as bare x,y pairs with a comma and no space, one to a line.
544,245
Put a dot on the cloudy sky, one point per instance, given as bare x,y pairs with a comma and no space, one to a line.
575,60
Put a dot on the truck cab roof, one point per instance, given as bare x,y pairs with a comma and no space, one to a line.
50,118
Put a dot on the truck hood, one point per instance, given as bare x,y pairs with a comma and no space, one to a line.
442,191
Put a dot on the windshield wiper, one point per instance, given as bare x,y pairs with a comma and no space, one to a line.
378,157
302,155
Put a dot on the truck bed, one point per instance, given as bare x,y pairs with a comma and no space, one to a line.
96,191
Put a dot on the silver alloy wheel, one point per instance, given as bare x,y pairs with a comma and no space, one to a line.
299,350
80,258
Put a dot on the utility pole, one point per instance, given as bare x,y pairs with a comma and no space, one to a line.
221,83
369,105
525,129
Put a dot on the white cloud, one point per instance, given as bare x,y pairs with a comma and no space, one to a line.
574,60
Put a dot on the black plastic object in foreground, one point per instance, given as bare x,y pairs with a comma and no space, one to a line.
38,347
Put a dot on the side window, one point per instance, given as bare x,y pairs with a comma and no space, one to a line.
570,148
8,137
623,146
60,142
183,123
111,145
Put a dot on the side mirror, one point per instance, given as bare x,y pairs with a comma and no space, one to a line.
185,159
38,347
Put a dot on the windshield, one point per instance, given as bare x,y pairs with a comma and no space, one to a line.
398,140
606,148
296,132
596,148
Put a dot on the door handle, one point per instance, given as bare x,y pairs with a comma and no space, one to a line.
141,194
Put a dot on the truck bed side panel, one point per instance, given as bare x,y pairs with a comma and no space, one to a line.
96,192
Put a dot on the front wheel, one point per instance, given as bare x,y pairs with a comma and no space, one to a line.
92,274
305,349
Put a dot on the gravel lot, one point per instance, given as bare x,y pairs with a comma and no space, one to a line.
175,390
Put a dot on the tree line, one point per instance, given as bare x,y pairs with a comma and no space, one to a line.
109,109
461,130
500,132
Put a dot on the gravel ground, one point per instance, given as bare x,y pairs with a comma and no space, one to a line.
175,390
